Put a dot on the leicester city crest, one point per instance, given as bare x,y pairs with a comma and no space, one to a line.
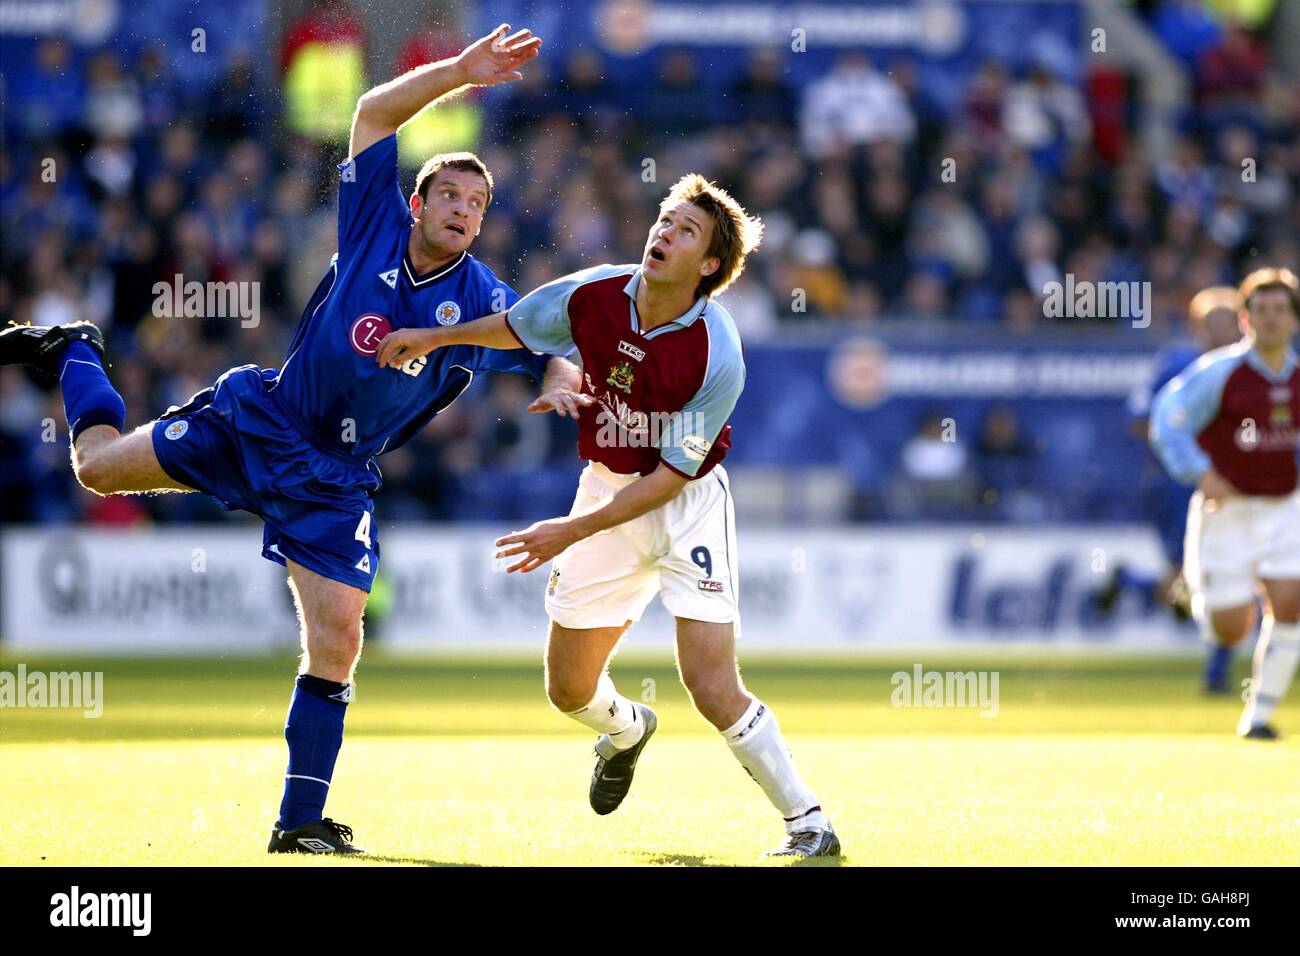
448,313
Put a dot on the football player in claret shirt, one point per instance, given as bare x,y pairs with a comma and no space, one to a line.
662,370
1230,424
296,445
1213,318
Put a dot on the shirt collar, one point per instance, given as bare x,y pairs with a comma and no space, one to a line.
686,318
1254,361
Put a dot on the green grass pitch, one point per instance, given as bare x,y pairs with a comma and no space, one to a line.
462,761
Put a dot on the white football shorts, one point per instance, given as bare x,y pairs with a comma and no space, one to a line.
1232,544
684,550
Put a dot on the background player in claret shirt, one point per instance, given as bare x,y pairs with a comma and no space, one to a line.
296,446
1229,424
1213,320
653,510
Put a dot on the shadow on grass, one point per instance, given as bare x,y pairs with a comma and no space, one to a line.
684,859
675,859
819,861
416,860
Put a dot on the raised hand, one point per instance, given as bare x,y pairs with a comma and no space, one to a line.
496,58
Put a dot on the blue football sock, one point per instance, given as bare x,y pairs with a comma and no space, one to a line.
1216,669
88,397
314,730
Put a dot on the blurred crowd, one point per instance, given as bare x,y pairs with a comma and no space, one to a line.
881,205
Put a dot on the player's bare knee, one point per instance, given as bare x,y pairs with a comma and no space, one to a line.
1283,603
336,646
567,693
1230,627
714,693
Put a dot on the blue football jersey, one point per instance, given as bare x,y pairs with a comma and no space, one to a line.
1168,364
330,384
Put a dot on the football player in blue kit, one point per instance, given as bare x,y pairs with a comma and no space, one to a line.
297,445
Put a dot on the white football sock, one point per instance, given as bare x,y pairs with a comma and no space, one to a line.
609,712
756,741
1276,656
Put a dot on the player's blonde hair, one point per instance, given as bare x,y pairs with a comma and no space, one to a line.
735,233
1211,299
1264,280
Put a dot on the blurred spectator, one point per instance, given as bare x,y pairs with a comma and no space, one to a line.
853,105
1044,115
323,61
764,94
1186,29
934,475
1231,73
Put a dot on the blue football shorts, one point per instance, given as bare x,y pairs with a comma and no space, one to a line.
233,442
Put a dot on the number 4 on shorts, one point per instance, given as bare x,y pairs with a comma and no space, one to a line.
363,535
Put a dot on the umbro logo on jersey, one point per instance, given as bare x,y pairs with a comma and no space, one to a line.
627,348
390,277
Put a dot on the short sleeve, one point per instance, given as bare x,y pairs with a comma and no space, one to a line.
1182,409
499,298
540,320
370,196
686,443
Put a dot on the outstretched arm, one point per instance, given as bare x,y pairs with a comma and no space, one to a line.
546,539
496,58
561,386
399,347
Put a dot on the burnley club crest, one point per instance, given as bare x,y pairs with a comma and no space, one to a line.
620,376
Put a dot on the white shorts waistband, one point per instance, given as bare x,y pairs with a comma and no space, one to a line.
612,478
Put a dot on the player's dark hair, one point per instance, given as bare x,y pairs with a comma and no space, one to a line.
465,162
1266,280
735,233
